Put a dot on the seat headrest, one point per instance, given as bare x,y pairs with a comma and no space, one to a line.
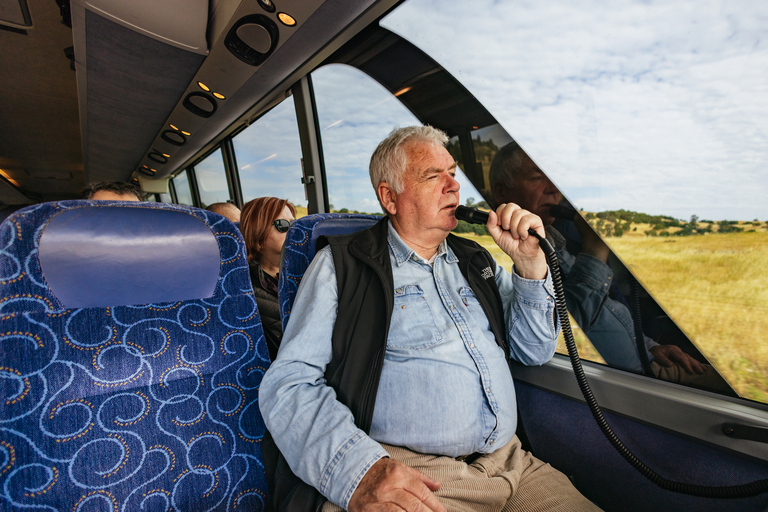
120,256
301,244
75,254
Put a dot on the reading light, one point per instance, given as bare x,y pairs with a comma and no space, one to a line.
286,19
219,95
185,133
204,87
402,91
173,127
7,176
166,155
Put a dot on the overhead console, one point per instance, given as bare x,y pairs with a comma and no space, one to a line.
158,80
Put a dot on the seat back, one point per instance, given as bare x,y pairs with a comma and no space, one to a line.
301,245
131,356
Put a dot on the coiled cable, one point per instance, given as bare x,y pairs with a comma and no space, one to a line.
724,492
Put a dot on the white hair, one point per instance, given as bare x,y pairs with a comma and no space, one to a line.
389,161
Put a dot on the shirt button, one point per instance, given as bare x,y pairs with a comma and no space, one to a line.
471,345
451,306
399,290
491,442
403,306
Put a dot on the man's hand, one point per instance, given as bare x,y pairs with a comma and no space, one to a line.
391,485
508,226
668,355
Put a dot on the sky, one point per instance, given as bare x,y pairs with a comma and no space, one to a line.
659,107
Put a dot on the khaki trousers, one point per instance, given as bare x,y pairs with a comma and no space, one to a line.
509,480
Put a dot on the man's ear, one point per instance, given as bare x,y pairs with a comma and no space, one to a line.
387,197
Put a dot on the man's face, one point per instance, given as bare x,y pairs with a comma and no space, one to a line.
428,201
532,191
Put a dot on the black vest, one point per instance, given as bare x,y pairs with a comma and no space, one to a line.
366,299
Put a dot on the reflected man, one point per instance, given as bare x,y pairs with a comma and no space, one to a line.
602,315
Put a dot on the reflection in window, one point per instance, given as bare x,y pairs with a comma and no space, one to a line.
212,179
181,186
164,198
269,156
653,128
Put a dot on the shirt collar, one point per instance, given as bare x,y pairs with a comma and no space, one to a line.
403,253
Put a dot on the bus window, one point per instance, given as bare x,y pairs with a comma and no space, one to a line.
353,120
164,198
659,148
269,157
212,179
181,186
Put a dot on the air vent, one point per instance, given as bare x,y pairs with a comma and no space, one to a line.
200,104
158,157
252,39
173,137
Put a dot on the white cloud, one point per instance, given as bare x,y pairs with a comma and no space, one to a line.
658,107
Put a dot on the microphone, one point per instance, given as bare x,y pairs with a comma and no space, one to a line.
563,212
475,216
471,215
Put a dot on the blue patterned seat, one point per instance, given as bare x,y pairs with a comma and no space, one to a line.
131,355
301,245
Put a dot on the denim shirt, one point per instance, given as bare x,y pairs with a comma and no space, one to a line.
445,386
605,321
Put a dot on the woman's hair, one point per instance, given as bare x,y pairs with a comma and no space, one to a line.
256,220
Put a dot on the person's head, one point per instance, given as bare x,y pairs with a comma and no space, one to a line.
112,191
257,223
413,175
228,210
515,178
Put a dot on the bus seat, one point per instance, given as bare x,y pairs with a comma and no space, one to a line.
132,353
301,244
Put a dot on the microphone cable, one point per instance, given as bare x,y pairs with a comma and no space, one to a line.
747,490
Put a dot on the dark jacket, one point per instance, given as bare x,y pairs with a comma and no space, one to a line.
366,299
269,309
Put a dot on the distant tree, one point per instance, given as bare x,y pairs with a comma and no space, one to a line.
728,226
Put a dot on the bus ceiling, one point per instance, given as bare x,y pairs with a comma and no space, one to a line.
154,82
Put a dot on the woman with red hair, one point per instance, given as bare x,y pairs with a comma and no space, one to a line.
264,222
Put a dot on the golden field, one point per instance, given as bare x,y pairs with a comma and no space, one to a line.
714,286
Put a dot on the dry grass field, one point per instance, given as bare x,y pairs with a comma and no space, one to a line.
714,286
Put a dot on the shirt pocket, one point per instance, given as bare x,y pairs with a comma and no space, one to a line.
413,326
473,306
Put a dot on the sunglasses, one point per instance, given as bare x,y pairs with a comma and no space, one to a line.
282,225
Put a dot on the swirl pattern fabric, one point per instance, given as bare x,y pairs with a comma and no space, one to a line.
128,408
299,250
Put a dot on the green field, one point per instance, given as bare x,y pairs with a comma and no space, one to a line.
714,286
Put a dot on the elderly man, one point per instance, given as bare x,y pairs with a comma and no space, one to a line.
392,387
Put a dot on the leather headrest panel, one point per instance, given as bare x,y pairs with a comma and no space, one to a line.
117,256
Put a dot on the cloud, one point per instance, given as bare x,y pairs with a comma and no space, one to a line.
651,106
